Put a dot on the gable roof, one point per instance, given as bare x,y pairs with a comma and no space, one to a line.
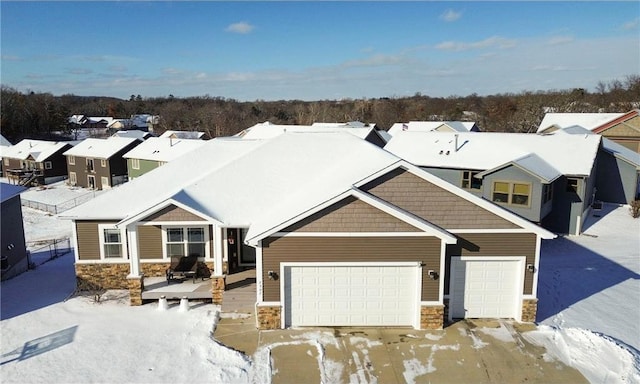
268,130
428,126
8,191
532,164
39,150
134,133
193,135
616,121
568,154
162,149
4,142
100,148
610,146
589,121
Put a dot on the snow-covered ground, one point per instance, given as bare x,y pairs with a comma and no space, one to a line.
589,294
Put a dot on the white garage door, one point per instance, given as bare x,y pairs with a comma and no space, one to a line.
350,295
485,288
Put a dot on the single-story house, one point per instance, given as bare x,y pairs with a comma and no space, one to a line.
622,128
267,130
98,163
340,232
548,179
155,152
35,162
12,242
434,126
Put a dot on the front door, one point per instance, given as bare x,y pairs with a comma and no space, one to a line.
91,182
240,256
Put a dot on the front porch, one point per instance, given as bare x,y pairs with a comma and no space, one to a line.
155,287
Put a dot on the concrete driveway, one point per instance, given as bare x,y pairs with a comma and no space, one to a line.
470,351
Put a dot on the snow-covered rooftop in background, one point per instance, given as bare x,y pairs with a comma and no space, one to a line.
133,133
268,130
428,126
589,121
4,142
608,145
8,191
100,148
568,154
40,150
163,148
190,135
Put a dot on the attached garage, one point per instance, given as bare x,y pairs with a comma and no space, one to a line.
486,287
351,294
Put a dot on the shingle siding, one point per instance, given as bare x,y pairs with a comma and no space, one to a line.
172,213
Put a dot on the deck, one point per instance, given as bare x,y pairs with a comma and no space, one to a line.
154,287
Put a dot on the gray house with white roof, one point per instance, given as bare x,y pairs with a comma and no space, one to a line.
340,233
548,179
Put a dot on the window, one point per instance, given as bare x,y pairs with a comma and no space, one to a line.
186,241
135,163
511,193
111,242
469,181
547,192
572,185
7,161
72,178
104,181
48,165
72,160
103,163
90,166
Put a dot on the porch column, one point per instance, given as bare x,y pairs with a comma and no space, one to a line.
218,278
135,279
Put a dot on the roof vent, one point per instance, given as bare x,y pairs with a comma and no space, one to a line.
448,152
441,152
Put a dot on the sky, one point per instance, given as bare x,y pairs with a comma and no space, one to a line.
315,50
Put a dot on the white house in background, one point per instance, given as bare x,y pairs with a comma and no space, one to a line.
188,135
156,151
267,130
434,126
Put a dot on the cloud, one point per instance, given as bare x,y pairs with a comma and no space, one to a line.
117,68
79,71
491,42
374,61
11,58
450,15
631,25
241,28
171,71
557,40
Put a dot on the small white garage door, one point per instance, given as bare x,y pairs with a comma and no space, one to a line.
350,295
485,288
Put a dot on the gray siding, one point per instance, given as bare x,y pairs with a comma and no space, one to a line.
355,249
494,244
12,232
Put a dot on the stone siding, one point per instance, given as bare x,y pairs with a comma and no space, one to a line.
218,285
432,317
136,286
529,310
269,317
102,276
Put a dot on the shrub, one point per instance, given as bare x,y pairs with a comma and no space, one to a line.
635,208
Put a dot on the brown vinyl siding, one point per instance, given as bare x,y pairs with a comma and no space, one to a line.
432,203
172,213
150,242
351,215
494,244
89,239
277,250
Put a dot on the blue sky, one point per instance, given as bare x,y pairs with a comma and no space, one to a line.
315,50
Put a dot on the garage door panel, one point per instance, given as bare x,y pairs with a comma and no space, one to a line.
350,295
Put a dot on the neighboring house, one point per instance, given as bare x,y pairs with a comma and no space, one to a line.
267,130
189,135
340,232
622,128
32,162
98,163
133,133
13,252
155,152
617,170
548,179
4,145
144,122
434,126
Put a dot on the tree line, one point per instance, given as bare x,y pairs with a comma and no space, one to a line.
40,115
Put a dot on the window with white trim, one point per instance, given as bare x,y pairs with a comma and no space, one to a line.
469,181
48,165
104,181
7,162
72,178
511,193
90,165
186,241
103,163
572,185
72,159
112,242
135,163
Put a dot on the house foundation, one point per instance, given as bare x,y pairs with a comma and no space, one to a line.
269,317
431,316
136,286
102,276
529,310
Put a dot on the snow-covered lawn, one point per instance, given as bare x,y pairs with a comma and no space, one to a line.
589,307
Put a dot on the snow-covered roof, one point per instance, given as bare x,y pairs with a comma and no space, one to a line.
163,148
267,130
4,142
533,164
40,150
608,145
259,184
428,126
8,191
100,148
589,121
190,135
97,119
567,154
134,133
